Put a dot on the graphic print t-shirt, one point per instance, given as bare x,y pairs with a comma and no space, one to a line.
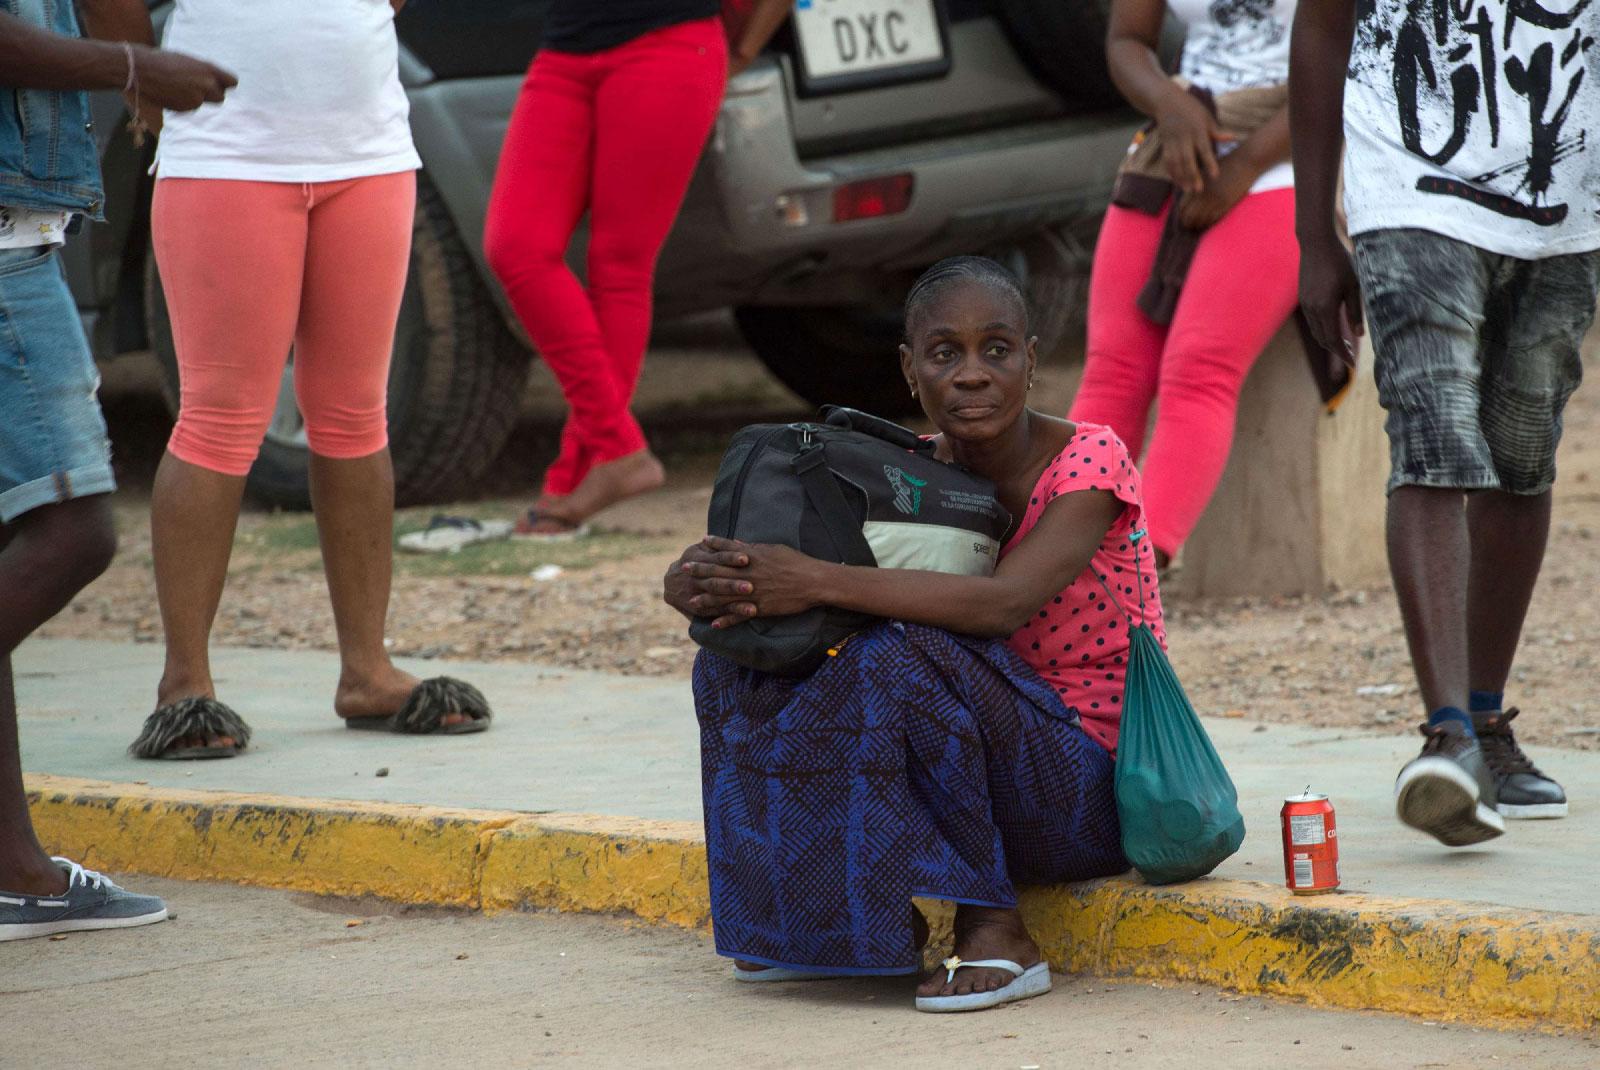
1476,119
1238,44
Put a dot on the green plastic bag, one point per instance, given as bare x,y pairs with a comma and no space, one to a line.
1178,806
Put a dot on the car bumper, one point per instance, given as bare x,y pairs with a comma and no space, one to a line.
971,191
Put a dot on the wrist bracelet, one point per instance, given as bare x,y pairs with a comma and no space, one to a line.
136,125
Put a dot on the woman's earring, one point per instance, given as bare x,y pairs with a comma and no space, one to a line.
913,391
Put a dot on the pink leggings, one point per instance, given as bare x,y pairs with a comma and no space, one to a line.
1240,290
250,268
617,133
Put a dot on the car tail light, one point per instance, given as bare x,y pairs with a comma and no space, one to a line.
871,198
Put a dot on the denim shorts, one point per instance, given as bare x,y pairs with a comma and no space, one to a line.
53,444
1477,354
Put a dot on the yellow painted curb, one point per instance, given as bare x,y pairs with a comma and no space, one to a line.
1437,959
1433,958
412,854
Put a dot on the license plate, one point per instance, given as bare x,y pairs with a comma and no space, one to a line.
850,44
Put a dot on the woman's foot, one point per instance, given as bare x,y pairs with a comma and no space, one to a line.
604,486
540,523
984,933
380,694
173,690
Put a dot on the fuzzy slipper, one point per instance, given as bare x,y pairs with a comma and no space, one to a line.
425,711
198,716
447,534
533,518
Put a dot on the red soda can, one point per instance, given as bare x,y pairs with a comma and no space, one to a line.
1310,844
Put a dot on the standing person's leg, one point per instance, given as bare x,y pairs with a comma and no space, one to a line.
1426,296
50,554
653,115
56,536
1224,319
230,255
541,190
1533,362
1123,360
358,247
654,108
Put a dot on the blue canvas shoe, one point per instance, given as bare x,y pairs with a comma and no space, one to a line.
91,901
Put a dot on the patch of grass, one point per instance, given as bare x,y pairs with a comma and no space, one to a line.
515,558
280,532
288,542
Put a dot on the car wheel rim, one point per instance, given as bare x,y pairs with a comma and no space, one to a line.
288,427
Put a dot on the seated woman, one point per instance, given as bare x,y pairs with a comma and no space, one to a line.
964,745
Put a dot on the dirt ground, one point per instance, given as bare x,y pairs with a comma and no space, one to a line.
1336,660
307,982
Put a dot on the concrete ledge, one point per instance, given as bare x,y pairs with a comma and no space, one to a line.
1439,959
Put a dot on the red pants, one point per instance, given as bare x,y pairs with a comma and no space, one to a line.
250,268
1240,290
616,133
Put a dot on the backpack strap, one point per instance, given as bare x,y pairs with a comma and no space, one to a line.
822,491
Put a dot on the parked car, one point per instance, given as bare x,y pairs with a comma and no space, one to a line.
852,155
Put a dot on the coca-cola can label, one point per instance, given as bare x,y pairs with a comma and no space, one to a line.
1310,844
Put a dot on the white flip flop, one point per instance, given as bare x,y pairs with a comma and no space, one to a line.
447,534
783,973
1029,982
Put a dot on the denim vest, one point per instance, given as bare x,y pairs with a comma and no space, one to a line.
48,157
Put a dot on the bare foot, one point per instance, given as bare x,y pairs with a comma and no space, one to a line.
380,694
606,485
984,933
172,689
919,935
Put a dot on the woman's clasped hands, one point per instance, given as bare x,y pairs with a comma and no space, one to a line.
733,581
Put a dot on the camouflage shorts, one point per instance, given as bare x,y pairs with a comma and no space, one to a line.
1477,354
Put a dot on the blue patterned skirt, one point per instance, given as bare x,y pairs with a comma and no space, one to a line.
915,763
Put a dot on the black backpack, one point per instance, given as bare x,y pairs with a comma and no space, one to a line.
854,489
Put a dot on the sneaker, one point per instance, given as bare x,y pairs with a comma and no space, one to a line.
1448,791
1521,790
91,901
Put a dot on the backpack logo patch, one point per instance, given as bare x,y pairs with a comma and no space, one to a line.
907,490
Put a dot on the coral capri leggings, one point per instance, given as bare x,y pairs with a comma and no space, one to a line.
251,268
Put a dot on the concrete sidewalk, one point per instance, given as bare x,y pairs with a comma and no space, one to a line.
611,764
297,986
583,742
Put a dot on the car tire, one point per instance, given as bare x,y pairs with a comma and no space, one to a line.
1063,43
832,355
455,384
1054,265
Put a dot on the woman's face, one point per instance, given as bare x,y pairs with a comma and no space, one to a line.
970,360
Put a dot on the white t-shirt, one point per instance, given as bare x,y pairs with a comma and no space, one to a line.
319,96
29,228
1479,126
1238,44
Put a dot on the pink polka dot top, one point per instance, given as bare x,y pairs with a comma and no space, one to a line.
1078,641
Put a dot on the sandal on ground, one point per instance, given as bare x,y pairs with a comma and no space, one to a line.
447,534
1029,982
197,717
783,973
569,529
424,712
